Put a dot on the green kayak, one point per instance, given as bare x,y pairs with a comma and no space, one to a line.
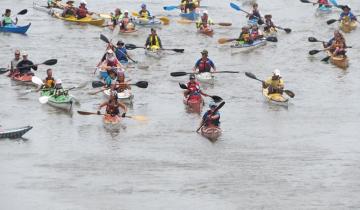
63,101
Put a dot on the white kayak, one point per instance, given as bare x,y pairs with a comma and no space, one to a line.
242,47
206,77
126,96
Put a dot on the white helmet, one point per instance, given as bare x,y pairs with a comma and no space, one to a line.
277,72
126,11
58,81
83,2
109,51
205,12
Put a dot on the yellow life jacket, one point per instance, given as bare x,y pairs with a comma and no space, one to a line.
49,82
157,44
275,83
144,14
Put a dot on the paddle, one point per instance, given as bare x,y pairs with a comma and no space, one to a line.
226,40
140,84
37,80
4,70
331,21
313,39
106,40
48,63
287,30
132,47
215,98
164,20
169,8
22,12
182,73
134,117
216,109
185,21
252,76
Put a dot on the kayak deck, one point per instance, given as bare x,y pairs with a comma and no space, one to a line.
15,132
275,98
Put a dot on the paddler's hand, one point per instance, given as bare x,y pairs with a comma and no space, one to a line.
124,114
98,112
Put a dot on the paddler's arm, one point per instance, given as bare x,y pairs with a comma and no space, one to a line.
196,65
123,106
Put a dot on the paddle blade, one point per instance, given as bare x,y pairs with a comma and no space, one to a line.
164,20
104,38
234,6
312,39
4,70
142,84
178,74
138,118
169,8
96,84
185,21
331,21
271,39
224,40
305,1
22,12
50,62
326,59
105,16
216,98
178,50
251,75
224,24
220,106
334,2
290,93
36,80
130,46
135,14
313,52
86,113
44,99
183,86
287,30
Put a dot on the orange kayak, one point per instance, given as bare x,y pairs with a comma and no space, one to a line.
207,31
212,133
26,79
194,103
111,120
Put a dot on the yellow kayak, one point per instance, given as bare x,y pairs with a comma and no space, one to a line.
341,61
347,26
275,98
88,19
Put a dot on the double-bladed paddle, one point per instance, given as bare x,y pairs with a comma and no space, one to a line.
226,40
134,117
252,76
106,40
186,21
215,110
140,84
132,47
182,73
48,63
215,98
163,19
169,8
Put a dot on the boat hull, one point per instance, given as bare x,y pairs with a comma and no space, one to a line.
212,133
275,98
14,133
15,29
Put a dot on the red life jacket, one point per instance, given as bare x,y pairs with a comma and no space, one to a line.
112,64
204,66
194,88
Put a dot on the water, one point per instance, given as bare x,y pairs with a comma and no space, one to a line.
269,157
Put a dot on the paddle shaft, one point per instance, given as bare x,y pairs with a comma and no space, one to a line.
216,109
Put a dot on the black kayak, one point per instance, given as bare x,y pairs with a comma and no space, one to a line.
15,132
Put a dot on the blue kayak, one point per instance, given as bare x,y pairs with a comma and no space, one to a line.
252,22
15,29
324,9
190,16
151,22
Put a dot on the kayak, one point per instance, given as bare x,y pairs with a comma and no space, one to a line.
271,33
88,19
275,98
147,22
252,22
155,53
212,133
63,102
324,9
15,29
206,77
126,96
348,26
341,61
190,16
23,79
246,47
111,121
207,31
194,103
14,133
128,32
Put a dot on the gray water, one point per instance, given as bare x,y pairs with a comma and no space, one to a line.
269,157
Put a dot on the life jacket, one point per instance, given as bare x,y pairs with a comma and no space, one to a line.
124,22
7,21
204,66
194,88
81,12
49,82
254,34
208,121
112,63
121,54
323,2
112,108
244,37
154,41
255,15
144,14
275,83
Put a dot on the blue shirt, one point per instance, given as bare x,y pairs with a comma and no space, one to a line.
212,122
350,15
121,54
204,66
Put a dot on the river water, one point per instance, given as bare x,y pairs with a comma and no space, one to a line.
269,157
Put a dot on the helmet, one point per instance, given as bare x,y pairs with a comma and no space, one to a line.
192,76
204,52
58,81
212,104
143,5
83,2
205,12
126,11
120,42
277,72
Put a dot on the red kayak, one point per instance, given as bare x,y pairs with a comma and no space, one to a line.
194,103
25,79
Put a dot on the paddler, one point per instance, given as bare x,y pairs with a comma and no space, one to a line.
347,14
121,52
255,15
6,20
211,118
25,65
111,79
59,90
244,37
204,21
69,9
115,19
204,64
121,85
324,3
125,23
255,33
144,13
274,84
269,25
82,11
153,42
330,42
113,105
187,6
193,88
49,81
109,63
14,62
338,46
